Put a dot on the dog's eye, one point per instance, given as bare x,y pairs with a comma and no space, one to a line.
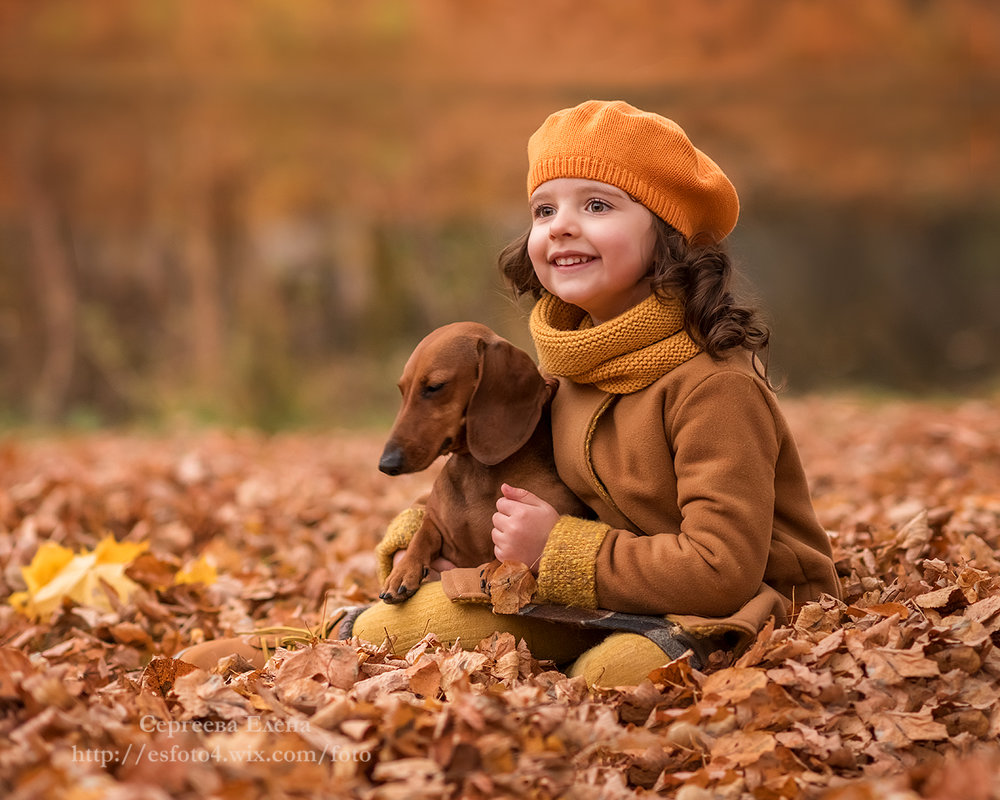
431,389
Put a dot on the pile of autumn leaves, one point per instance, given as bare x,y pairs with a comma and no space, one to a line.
893,691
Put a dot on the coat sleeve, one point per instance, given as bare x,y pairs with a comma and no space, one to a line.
725,446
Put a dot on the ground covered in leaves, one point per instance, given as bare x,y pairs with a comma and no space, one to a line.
892,692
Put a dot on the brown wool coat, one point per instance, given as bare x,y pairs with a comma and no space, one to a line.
703,508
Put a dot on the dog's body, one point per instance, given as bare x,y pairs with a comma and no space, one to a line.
471,393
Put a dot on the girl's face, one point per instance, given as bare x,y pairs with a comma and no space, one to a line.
591,245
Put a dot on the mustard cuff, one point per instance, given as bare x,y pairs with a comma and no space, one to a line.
568,570
398,536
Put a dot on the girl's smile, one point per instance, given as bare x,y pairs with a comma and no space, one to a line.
591,245
570,261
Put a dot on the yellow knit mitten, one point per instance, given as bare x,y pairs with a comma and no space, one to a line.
398,536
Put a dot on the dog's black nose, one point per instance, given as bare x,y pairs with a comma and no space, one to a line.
391,462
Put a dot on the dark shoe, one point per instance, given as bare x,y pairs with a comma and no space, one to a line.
342,624
676,643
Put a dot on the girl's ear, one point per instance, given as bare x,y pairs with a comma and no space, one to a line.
506,402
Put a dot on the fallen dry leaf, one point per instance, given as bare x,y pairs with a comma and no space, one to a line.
56,574
893,691
511,587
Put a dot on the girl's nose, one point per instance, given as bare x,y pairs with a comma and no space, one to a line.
563,224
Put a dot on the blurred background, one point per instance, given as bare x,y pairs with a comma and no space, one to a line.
248,211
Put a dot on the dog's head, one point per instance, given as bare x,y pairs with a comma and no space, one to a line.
464,387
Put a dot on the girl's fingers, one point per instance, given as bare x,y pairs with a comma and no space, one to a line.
513,496
507,507
516,493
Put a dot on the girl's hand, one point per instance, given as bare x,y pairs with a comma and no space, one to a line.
437,566
521,526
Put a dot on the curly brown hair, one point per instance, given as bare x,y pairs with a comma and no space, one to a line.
699,274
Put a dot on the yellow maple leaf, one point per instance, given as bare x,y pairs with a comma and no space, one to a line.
50,559
56,572
199,571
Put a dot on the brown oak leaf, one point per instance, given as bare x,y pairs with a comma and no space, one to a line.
511,587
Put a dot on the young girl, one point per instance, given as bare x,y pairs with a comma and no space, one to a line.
663,423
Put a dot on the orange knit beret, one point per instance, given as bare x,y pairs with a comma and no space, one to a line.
641,153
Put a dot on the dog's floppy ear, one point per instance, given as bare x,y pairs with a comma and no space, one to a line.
506,403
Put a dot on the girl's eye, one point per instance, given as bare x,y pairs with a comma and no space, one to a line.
542,211
597,206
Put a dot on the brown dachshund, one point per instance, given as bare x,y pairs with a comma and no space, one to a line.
471,393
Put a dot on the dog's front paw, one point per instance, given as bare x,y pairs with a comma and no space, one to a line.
403,581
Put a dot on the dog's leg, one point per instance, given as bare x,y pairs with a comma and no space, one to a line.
414,565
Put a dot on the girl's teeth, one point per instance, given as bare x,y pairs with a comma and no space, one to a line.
569,262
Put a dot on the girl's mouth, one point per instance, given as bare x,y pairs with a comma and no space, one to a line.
571,261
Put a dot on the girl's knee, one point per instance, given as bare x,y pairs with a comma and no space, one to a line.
622,659
428,611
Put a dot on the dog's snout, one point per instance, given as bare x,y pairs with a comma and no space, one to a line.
391,462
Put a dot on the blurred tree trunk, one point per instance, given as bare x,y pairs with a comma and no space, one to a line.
56,286
202,269
200,258
353,247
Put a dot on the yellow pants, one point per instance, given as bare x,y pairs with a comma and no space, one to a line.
618,659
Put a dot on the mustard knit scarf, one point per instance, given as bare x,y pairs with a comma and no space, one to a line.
620,356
